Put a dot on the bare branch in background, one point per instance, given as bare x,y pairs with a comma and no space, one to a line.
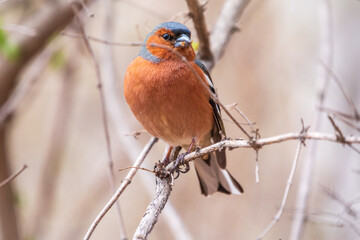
54,153
122,187
107,70
197,14
19,29
339,83
224,27
25,84
309,162
98,40
110,162
338,198
13,176
286,194
338,217
53,18
46,22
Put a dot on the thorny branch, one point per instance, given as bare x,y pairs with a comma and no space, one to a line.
241,143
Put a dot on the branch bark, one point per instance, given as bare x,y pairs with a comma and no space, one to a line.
164,186
151,215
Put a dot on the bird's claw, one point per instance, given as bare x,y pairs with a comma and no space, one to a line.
178,162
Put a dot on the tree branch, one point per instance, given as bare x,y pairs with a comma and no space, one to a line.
151,215
224,27
323,79
197,14
122,187
164,186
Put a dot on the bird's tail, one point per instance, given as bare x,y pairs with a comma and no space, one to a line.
213,178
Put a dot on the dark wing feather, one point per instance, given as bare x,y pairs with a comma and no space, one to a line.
218,129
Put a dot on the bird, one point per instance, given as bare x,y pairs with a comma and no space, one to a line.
172,104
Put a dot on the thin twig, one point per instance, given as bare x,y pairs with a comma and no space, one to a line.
110,161
122,187
309,162
337,197
103,41
342,89
138,168
237,109
346,221
107,69
286,194
13,176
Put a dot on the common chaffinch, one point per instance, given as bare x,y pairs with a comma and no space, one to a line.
171,103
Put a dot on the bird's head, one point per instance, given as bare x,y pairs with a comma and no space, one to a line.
164,39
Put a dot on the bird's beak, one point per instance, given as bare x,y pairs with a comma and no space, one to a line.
182,41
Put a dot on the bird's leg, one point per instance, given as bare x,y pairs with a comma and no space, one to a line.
166,158
180,159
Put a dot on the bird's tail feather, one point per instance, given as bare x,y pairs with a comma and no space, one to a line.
213,178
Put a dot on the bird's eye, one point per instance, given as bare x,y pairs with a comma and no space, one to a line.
166,36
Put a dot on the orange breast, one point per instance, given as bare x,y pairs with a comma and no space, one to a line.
168,100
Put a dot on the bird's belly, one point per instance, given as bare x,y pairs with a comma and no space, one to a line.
177,124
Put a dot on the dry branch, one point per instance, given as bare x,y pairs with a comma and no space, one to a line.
197,14
309,163
259,143
110,162
153,210
122,187
45,23
151,215
224,27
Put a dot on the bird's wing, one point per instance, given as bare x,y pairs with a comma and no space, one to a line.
218,129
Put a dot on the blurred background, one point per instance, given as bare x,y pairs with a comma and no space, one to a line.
270,68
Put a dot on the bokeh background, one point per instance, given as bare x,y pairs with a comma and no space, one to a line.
270,69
